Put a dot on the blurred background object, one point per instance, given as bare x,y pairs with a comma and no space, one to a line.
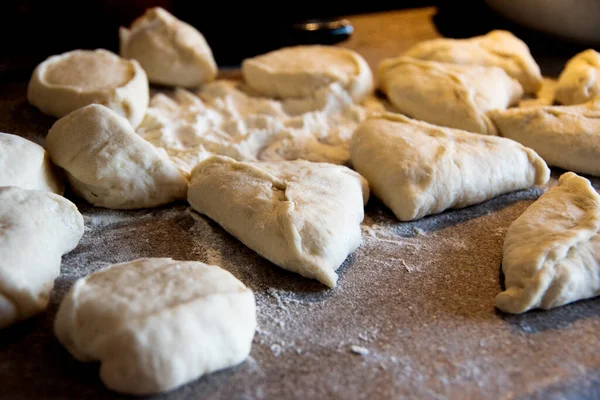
32,30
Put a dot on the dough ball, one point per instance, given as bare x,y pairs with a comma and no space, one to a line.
564,136
170,51
456,96
156,323
36,229
302,216
63,83
551,253
109,165
419,169
27,165
498,48
580,80
299,71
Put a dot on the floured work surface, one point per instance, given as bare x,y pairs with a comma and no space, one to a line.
412,315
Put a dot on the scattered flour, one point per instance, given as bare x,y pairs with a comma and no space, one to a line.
359,350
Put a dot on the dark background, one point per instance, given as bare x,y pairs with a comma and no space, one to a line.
30,30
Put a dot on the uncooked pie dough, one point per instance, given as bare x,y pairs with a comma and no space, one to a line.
63,83
36,228
456,96
564,136
302,216
156,323
299,71
498,48
551,253
226,118
109,165
27,165
580,80
171,51
418,169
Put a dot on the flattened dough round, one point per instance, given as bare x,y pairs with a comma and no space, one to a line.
170,51
157,323
36,229
298,71
109,165
27,165
63,83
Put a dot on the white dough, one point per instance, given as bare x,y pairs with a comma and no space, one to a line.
551,253
228,119
418,169
27,165
456,96
299,71
302,216
109,165
63,83
156,323
497,48
36,228
171,51
580,80
564,136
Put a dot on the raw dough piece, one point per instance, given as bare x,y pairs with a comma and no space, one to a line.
109,165
156,323
27,165
498,48
580,80
63,83
551,253
36,229
228,119
418,169
564,136
544,96
303,216
170,51
456,96
299,71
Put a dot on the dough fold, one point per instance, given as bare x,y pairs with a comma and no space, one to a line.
302,216
156,323
418,169
36,228
456,96
551,253
564,136
109,165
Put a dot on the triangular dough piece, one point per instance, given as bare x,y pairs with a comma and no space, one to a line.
303,216
551,253
457,96
418,169
564,136
580,80
498,48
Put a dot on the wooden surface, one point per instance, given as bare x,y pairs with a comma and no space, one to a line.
419,297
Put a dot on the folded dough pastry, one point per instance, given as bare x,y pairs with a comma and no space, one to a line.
551,253
580,80
36,228
109,165
303,216
171,51
63,83
299,71
564,136
418,169
457,96
27,165
498,48
156,323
